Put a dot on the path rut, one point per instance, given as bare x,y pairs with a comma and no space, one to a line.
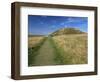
45,55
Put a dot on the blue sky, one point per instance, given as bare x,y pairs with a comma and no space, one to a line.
44,25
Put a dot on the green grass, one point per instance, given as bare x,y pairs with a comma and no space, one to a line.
57,56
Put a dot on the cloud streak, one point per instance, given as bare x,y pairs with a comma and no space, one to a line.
45,25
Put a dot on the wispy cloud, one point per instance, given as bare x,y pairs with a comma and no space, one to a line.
47,24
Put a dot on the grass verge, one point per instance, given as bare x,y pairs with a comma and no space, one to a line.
57,58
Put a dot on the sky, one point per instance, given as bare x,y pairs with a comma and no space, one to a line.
45,25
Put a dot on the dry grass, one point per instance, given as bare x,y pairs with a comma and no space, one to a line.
73,48
33,41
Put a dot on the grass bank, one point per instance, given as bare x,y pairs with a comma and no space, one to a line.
57,58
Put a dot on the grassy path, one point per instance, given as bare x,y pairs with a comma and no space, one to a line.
45,55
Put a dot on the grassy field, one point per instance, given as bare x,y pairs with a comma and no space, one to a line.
57,50
34,40
65,46
34,44
72,48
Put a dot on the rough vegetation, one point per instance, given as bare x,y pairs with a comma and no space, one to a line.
62,47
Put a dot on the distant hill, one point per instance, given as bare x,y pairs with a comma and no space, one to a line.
67,31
